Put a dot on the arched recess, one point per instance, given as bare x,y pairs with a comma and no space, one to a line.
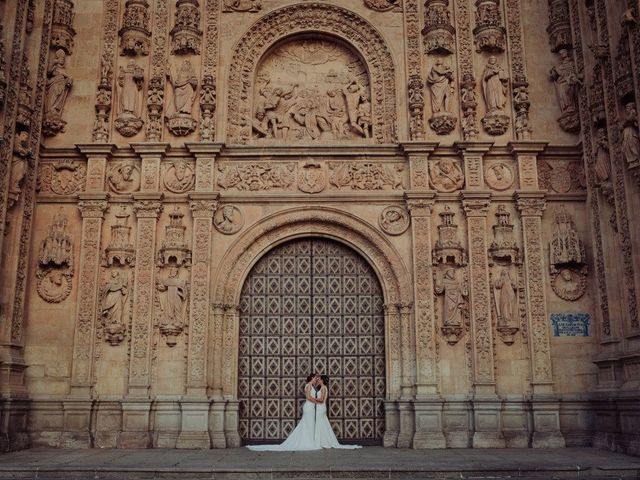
309,18
304,222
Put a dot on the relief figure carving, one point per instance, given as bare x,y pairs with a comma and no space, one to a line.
602,162
124,178
440,82
130,99
228,220
114,297
185,84
454,307
57,89
494,89
172,295
630,136
446,175
567,83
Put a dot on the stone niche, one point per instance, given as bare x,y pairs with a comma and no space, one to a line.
309,90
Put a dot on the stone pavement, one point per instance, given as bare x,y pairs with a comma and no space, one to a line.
371,462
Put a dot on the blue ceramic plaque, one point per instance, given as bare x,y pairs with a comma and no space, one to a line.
571,324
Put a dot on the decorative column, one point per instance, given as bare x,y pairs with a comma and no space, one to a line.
531,203
394,367
407,427
230,326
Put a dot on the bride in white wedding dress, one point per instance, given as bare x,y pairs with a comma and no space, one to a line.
314,431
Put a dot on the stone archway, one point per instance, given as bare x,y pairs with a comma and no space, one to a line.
310,18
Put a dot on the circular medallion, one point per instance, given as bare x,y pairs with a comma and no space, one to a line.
394,220
228,219
499,176
54,285
124,178
179,176
569,284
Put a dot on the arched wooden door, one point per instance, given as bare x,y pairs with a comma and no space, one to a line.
308,305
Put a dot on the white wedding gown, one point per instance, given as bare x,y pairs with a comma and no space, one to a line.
313,432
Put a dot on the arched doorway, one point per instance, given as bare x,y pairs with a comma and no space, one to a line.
311,304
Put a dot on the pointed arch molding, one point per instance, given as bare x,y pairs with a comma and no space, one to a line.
312,18
304,222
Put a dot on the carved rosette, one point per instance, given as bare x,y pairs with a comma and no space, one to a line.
62,31
186,35
439,33
134,34
489,32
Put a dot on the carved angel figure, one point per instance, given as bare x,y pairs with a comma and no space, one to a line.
567,82
114,295
494,86
172,293
439,80
505,294
455,294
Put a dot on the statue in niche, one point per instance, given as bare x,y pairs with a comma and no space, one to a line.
446,175
630,135
21,157
505,292
354,95
57,89
567,82
114,296
454,305
440,81
179,176
172,293
124,178
602,165
185,84
494,86
130,99
364,115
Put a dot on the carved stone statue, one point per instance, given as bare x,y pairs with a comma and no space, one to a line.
602,165
130,99
114,296
19,164
58,86
440,81
505,292
184,84
172,293
630,136
494,86
567,82
354,94
454,305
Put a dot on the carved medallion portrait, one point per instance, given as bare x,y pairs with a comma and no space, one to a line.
228,219
124,178
569,284
54,285
446,175
499,176
179,176
394,220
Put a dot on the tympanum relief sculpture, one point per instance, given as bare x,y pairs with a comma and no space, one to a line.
440,82
446,175
55,262
124,177
172,293
312,90
180,122
228,219
57,90
130,99
450,278
567,82
495,82
394,220
567,262
113,306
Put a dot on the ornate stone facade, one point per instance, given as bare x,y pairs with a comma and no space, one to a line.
436,189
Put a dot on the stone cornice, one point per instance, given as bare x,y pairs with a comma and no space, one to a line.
96,149
473,147
527,147
204,149
150,149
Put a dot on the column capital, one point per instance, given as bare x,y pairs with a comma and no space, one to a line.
478,148
203,205
420,204
527,147
147,205
102,150
150,149
475,204
93,205
414,148
204,149
531,203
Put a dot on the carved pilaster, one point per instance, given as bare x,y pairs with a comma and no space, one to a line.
208,94
526,154
414,64
521,102
147,208
159,69
92,208
151,154
97,156
417,154
206,154
408,351
468,98
473,155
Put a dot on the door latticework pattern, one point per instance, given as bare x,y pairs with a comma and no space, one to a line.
311,305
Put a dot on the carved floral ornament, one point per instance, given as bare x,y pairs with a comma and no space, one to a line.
367,110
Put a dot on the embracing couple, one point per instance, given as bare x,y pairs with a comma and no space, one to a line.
313,432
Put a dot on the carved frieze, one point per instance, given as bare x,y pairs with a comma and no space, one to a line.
446,175
113,306
448,250
130,99
499,175
439,33
172,294
62,177
366,176
124,177
241,5
495,85
186,35
312,177
394,220
179,176
256,176
57,90
489,32
62,31
228,219
55,262
120,250
134,34
174,249
567,258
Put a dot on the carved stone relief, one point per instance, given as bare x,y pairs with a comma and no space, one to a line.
499,176
207,108
22,157
172,293
62,177
120,250
416,107
440,82
256,176
228,219
25,97
57,90
180,121
489,33
104,92
495,83
383,5
124,177
186,34
62,31
134,34
567,258
439,33
562,177
448,249
631,139
179,176
312,90
55,262
113,306
446,175
241,5
130,99
394,220
559,28
311,177
567,82
174,250
366,176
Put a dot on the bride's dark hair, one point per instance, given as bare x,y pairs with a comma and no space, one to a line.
325,379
